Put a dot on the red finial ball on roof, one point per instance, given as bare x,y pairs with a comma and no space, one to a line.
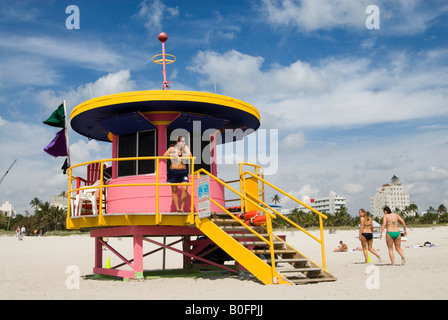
163,37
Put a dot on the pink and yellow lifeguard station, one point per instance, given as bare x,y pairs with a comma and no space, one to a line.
127,195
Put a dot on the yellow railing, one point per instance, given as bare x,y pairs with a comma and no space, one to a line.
278,214
259,172
103,186
269,216
261,205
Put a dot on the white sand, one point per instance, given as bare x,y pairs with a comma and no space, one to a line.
35,268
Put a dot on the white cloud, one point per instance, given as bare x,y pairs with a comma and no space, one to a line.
241,75
332,92
350,92
90,54
308,190
154,13
292,143
32,175
233,71
432,173
23,139
111,83
36,173
25,70
401,17
86,151
310,15
353,188
385,162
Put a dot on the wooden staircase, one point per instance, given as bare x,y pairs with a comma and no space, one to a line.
254,254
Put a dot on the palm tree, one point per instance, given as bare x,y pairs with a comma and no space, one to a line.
35,203
342,217
276,199
412,207
56,217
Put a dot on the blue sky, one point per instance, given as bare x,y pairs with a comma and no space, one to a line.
353,106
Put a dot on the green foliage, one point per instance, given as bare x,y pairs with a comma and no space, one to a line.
46,218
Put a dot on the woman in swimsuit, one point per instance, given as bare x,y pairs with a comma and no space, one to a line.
393,237
366,235
177,172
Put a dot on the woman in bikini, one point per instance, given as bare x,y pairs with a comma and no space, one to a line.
177,172
366,235
393,237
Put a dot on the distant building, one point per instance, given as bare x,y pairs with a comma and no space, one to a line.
8,209
330,204
390,195
59,201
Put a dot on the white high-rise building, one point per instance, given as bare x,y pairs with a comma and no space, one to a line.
390,195
330,204
8,209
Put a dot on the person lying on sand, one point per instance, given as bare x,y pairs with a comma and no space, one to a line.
341,248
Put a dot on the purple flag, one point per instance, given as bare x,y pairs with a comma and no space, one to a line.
57,147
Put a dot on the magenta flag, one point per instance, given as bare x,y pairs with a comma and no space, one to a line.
57,147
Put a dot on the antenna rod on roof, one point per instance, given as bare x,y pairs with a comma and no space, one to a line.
163,37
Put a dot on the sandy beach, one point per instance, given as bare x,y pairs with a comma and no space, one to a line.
38,268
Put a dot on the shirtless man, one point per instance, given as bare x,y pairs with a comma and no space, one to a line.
177,172
342,247
393,237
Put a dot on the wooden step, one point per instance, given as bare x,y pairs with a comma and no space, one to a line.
220,221
277,251
261,243
221,215
247,235
239,228
312,280
297,260
301,270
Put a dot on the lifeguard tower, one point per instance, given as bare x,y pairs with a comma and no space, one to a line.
127,195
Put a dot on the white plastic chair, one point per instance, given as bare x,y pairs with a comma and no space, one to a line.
91,195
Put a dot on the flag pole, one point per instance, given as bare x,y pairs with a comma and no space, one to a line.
66,134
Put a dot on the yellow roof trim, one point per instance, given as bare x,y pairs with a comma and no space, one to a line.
167,95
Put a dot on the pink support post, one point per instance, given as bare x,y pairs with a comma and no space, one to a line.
161,144
138,256
98,253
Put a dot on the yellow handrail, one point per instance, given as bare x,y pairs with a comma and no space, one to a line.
288,195
270,212
321,215
242,181
156,184
234,190
269,217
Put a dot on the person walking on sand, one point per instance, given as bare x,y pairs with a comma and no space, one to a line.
393,237
366,235
177,172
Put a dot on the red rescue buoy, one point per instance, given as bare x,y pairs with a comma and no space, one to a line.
248,215
256,221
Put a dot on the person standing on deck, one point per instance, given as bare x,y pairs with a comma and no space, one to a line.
177,172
